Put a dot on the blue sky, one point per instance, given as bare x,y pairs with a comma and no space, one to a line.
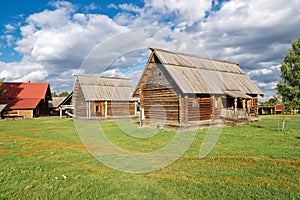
49,40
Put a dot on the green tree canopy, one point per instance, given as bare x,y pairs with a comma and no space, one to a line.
62,94
271,102
1,90
289,84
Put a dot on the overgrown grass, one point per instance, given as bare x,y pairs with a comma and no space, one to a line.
44,159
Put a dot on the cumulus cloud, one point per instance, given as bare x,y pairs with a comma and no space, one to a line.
251,26
59,40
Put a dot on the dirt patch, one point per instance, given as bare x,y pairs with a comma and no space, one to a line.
4,152
44,143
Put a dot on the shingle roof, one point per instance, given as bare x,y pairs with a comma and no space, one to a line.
196,75
24,95
99,88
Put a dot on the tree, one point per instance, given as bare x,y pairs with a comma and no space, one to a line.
62,94
289,84
271,102
1,90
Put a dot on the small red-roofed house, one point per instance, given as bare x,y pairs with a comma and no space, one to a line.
26,99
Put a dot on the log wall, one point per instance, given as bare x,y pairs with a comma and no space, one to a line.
119,108
195,109
160,104
80,106
114,108
158,99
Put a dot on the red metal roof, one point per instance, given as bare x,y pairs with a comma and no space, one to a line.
24,95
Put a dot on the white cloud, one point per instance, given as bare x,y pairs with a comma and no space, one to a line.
164,13
5,74
191,11
92,6
9,28
112,5
130,7
38,75
64,36
113,73
9,40
23,71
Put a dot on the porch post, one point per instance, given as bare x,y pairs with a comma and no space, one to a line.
105,109
89,110
213,107
60,112
179,109
135,108
235,107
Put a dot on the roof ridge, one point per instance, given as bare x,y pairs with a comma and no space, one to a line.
107,77
191,55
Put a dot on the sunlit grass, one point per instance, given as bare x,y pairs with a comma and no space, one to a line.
44,159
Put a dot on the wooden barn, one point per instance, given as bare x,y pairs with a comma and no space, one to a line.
26,99
103,97
182,89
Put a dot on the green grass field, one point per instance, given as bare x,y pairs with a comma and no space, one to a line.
44,158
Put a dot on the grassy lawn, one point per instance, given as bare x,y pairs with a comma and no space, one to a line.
44,158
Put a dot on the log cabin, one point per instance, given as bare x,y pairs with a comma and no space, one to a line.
99,97
26,100
181,89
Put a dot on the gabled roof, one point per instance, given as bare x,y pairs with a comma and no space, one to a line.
2,107
100,88
24,95
58,101
197,75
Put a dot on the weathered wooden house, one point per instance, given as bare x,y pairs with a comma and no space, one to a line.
26,99
103,97
181,89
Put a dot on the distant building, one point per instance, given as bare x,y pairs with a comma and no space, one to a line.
270,110
181,89
26,99
103,97
59,105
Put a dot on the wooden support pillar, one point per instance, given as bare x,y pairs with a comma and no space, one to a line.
135,108
89,109
213,107
235,107
141,107
248,106
60,112
256,106
105,109
179,110
186,110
